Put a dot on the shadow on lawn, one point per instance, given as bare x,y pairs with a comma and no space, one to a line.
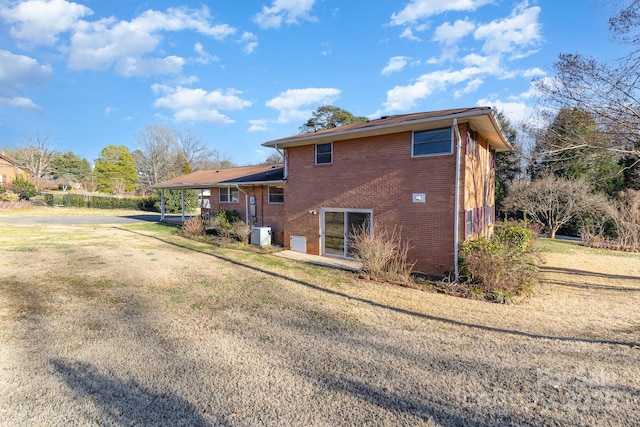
613,277
126,402
395,309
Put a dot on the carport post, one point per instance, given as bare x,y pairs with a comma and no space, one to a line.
182,202
162,205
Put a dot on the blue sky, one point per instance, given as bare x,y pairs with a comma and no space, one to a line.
90,73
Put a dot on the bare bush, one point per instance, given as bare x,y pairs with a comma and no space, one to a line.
193,227
553,202
624,215
241,231
382,255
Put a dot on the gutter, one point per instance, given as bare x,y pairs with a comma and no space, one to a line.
456,209
374,128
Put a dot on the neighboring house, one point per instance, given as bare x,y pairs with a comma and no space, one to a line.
9,168
427,176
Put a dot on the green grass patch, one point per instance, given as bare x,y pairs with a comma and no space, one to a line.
22,249
160,228
572,247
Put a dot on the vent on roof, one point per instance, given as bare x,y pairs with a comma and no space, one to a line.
384,117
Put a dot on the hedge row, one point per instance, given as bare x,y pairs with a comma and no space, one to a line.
101,202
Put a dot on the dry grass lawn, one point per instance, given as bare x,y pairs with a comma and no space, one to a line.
123,325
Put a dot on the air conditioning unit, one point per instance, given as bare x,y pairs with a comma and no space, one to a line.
261,236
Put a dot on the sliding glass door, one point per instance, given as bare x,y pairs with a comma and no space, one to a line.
338,224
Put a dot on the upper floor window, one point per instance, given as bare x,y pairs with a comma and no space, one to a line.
229,195
276,194
432,142
472,142
324,154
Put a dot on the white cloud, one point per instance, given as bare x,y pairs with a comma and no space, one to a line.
41,21
520,29
287,11
145,67
421,9
100,44
471,87
198,104
402,98
21,102
250,42
516,111
448,34
204,57
259,125
17,71
291,102
498,44
397,63
407,33
534,72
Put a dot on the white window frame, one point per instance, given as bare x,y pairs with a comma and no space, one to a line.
330,144
276,194
413,143
229,192
468,223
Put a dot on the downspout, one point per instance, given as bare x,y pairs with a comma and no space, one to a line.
456,209
286,163
246,204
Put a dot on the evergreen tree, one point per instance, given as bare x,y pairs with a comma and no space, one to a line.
115,170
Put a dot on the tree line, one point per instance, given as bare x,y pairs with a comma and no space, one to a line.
162,153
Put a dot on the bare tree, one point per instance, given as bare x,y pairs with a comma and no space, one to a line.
274,158
36,154
194,151
552,202
608,91
155,161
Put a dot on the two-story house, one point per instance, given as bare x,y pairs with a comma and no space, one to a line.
428,176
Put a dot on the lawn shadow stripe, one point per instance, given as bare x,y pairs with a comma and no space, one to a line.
391,308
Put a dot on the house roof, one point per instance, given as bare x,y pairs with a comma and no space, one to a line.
243,175
11,161
482,119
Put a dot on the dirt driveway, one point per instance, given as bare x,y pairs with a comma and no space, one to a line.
129,324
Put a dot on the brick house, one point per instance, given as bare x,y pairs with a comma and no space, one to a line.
9,169
428,176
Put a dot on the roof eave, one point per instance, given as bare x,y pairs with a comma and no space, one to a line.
203,185
310,138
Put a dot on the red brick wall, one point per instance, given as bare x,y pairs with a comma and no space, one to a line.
377,173
267,214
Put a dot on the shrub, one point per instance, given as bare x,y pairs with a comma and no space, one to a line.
502,268
10,196
23,187
193,227
382,255
241,231
228,225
